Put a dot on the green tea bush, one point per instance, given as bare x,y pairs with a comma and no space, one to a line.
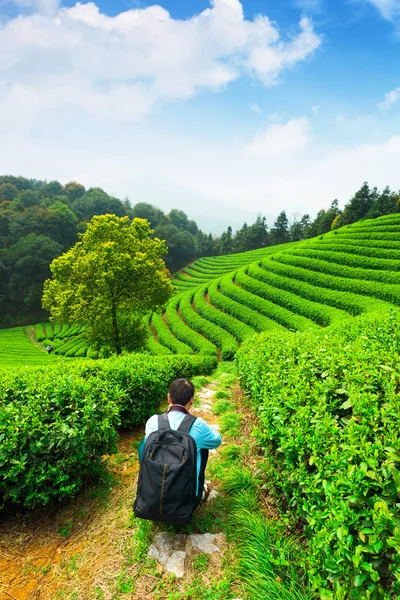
221,338
286,301
265,307
338,256
328,409
238,329
166,337
337,304
57,422
237,310
54,427
184,333
314,271
142,381
40,332
357,248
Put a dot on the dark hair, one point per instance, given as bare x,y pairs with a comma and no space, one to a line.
181,391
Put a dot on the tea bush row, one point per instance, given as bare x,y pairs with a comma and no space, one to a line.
358,248
390,293
265,307
184,333
57,422
222,339
233,307
328,410
167,338
297,307
373,265
337,304
238,329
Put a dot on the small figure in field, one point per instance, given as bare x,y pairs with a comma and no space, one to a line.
49,349
173,458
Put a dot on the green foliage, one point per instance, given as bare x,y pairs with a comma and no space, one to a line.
54,427
184,333
328,414
223,339
166,337
16,350
287,309
57,422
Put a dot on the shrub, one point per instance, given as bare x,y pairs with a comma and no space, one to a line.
54,427
238,329
285,278
237,310
40,333
184,333
361,261
328,423
56,423
166,337
313,270
223,340
285,303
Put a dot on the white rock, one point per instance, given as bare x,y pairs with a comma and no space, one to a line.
213,494
176,563
205,542
172,551
206,394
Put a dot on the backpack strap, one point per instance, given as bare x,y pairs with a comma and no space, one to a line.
163,422
187,423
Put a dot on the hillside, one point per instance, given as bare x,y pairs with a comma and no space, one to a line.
298,286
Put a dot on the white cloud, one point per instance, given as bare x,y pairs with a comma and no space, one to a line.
68,59
390,99
281,139
389,9
315,108
255,108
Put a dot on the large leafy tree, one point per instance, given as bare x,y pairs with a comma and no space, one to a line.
116,269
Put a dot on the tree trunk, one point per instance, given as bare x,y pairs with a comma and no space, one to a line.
117,341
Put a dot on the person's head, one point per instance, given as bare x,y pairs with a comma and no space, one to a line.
181,391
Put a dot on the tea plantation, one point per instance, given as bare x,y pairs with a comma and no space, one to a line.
322,378
299,287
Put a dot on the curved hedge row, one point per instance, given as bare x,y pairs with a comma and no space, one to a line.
360,262
364,247
328,410
269,309
288,301
184,333
57,422
388,292
238,329
167,338
237,311
294,279
222,339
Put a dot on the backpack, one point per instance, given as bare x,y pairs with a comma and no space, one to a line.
167,480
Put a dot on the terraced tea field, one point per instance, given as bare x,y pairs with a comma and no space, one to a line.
17,349
300,286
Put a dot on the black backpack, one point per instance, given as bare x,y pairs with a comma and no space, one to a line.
167,481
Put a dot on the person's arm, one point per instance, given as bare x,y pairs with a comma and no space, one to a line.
210,437
151,425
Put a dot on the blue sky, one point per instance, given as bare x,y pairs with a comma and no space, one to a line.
257,105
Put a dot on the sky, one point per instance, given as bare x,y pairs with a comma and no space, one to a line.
223,107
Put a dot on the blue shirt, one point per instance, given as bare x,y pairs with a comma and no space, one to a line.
203,434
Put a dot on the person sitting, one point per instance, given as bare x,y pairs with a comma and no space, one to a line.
165,457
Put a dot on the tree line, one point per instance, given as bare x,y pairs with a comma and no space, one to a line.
41,220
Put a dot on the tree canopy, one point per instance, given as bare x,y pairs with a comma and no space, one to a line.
114,271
